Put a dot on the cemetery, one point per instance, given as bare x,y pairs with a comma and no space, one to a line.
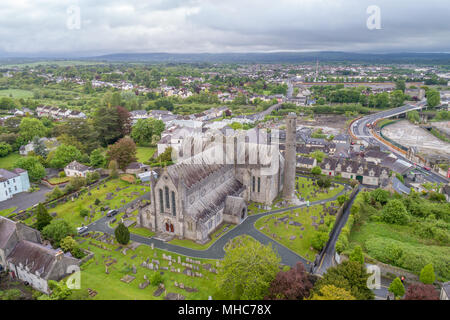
295,229
140,272
308,190
112,194
129,218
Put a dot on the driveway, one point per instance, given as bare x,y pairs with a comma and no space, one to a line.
26,200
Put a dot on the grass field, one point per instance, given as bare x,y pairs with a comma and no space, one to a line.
196,246
8,161
58,180
16,93
270,226
70,211
7,212
109,286
144,153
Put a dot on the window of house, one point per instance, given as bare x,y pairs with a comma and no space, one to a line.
161,200
174,211
15,187
259,184
253,184
166,191
189,224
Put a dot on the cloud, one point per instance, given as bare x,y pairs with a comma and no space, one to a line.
40,26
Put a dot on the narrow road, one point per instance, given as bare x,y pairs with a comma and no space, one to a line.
216,250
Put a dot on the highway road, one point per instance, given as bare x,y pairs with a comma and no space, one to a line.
361,131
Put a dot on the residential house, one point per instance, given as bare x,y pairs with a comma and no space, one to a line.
305,162
76,169
25,258
13,182
136,168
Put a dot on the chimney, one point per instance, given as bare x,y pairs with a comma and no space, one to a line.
59,255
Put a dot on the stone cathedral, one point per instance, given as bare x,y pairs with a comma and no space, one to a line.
191,199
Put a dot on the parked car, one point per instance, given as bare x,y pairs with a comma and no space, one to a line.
82,230
112,213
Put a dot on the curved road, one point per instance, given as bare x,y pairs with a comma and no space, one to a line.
216,250
361,131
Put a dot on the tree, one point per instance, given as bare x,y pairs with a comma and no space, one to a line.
59,291
156,279
84,212
80,133
36,170
113,169
349,275
63,155
145,129
318,155
30,128
97,160
330,292
427,275
5,149
420,291
357,255
57,230
247,269
123,151
395,213
124,122
400,85
397,98
433,98
68,244
291,285
342,199
396,287
324,182
106,122
122,234
379,195
316,171
43,218
319,240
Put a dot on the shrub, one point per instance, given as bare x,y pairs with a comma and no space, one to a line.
156,279
122,234
420,291
395,213
397,288
319,240
427,275
84,212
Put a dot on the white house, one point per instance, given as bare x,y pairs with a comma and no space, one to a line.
13,182
76,169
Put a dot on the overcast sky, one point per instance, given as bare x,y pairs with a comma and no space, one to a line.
113,26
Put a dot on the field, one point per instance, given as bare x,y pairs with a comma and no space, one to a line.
409,246
8,161
70,211
279,227
110,287
144,153
59,180
16,93
7,212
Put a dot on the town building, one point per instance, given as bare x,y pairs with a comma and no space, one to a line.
76,169
13,182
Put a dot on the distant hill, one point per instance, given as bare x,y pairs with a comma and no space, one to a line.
278,57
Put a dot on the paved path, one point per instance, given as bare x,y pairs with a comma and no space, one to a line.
25,200
216,250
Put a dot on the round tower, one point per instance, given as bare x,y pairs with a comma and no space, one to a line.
290,158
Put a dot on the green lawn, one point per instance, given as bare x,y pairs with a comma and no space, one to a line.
8,161
16,93
309,189
270,225
144,153
109,286
70,211
7,212
196,246
58,180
